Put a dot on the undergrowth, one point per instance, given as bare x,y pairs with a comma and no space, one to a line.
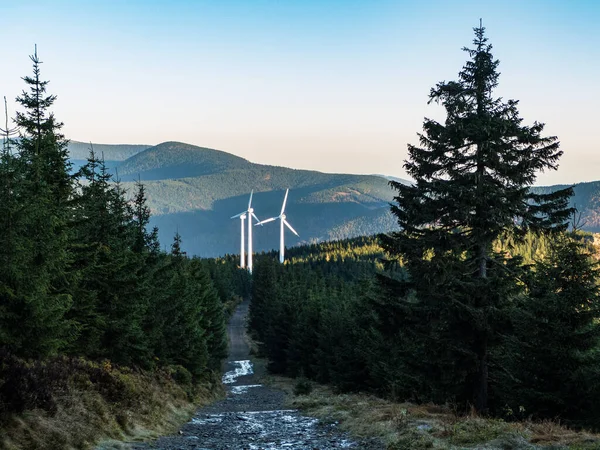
63,403
405,426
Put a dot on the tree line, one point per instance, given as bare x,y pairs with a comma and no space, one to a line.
487,299
82,273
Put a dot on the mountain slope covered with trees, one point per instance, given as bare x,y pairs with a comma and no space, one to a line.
194,190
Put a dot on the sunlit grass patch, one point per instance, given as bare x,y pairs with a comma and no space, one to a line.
405,426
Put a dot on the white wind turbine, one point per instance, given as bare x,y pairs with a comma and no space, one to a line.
250,214
282,222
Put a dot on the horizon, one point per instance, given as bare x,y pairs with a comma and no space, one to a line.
384,175
333,86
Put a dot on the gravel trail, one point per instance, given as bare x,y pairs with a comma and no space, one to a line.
252,416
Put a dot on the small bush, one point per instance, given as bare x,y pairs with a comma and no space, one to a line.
303,387
30,385
181,375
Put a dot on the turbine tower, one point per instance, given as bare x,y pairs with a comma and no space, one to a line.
242,217
250,214
282,222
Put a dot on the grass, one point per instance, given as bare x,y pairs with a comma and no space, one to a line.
102,405
405,426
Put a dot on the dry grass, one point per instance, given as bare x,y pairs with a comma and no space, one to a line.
412,427
144,406
548,433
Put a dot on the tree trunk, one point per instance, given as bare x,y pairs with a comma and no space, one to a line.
480,385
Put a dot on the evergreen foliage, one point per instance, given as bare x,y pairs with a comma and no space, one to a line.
332,313
552,359
308,314
82,271
472,184
482,299
38,189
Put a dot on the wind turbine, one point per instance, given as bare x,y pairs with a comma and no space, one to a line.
282,222
250,214
242,217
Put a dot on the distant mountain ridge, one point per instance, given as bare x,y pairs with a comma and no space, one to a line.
179,160
112,152
195,190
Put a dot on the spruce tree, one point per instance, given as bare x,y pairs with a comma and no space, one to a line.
552,358
95,249
211,314
472,177
37,280
9,236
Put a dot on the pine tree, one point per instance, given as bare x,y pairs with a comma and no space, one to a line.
212,315
472,177
552,359
143,240
9,236
36,287
94,230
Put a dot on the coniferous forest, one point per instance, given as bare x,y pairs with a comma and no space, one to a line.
83,276
486,299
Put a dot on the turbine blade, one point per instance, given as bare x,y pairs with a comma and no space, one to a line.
238,215
265,221
284,201
250,202
290,227
257,219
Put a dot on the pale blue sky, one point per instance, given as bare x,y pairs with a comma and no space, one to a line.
331,85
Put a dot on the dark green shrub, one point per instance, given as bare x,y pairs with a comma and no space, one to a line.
181,375
303,387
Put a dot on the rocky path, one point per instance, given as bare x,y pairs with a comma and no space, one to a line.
252,416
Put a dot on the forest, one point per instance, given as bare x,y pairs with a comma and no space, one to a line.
85,287
485,299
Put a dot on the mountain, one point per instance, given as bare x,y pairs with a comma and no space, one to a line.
195,191
113,154
396,179
118,152
178,160
586,199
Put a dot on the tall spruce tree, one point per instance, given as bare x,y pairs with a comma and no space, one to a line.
472,176
37,279
9,237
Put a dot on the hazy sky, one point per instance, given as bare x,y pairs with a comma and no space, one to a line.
332,85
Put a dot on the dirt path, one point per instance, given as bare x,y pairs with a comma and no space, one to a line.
252,416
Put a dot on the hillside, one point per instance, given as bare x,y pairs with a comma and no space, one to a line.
195,191
586,199
178,160
113,154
